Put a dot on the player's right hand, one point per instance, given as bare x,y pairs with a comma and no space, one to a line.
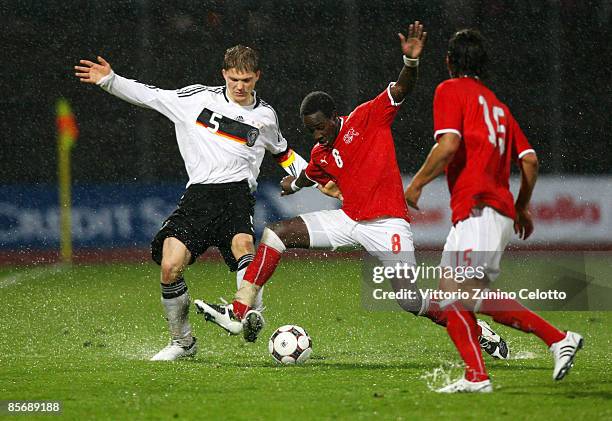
523,223
285,185
90,72
413,44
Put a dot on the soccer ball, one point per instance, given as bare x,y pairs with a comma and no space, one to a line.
290,344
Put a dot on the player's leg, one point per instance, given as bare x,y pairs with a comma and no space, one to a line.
175,299
276,238
316,230
468,236
243,315
237,254
390,241
510,312
243,250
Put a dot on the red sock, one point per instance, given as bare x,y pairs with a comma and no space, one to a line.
240,309
259,271
463,330
438,316
512,313
263,265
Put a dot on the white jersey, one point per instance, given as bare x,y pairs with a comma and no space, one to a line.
220,141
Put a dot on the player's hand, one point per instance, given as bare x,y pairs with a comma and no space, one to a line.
523,223
331,189
412,195
412,45
285,185
90,72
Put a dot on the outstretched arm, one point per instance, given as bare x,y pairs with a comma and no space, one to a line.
166,102
412,47
440,156
90,72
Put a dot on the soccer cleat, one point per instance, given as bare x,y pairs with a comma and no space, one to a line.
252,324
175,350
564,352
221,315
492,343
465,386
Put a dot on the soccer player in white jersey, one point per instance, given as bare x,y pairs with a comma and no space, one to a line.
223,133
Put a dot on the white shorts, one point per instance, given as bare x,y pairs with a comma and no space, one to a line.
388,239
478,242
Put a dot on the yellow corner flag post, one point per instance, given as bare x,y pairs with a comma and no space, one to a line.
67,133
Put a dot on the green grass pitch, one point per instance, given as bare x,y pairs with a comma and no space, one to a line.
82,335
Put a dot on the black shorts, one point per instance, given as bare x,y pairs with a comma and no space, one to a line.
209,215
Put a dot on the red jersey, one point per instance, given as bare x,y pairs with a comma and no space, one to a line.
362,162
479,174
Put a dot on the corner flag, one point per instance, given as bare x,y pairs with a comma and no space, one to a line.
67,134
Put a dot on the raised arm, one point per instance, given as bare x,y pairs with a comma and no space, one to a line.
412,47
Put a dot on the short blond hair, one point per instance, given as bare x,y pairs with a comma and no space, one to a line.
241,58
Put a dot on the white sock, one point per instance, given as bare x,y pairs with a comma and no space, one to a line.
176,301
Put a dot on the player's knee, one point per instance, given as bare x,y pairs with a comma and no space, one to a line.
170,270
242,244
271,237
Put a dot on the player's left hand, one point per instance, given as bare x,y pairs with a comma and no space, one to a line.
331,189
413,44
285,185
523,223
412,195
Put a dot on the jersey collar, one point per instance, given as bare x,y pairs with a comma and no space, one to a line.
255,103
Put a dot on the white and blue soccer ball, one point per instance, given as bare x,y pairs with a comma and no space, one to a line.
290,344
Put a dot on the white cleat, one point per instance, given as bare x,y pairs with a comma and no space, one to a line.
252,324
564,352
175,350
221,315
465,386
492,343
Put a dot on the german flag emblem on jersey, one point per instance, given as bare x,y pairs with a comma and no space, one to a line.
228,128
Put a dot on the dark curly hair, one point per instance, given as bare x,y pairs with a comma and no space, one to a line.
467,55
318,101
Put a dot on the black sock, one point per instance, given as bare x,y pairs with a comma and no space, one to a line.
175,289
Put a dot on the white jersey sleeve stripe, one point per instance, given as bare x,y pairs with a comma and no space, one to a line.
525,152
442,131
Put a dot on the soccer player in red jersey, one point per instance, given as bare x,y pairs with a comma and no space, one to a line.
477,138
356,154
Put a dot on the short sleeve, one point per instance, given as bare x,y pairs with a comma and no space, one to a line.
520,144
447,110
315,173
383,108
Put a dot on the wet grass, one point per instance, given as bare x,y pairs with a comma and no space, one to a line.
82,335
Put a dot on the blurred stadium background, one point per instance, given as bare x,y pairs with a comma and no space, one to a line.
551,62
